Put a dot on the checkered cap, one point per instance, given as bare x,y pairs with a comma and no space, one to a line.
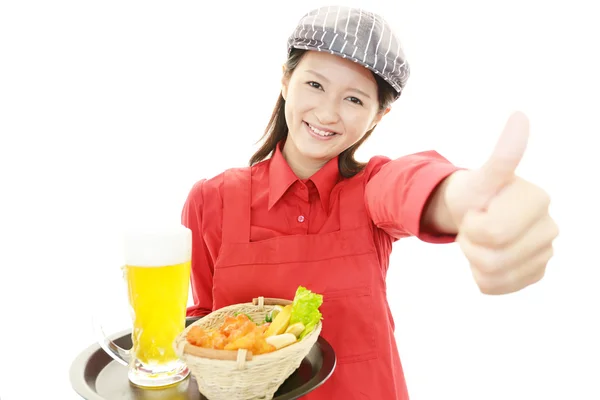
359,35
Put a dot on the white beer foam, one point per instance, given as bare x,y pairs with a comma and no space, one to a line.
157,246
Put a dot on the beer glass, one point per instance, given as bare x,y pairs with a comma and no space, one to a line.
157,277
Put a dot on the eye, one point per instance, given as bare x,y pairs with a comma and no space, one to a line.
314,84
356,100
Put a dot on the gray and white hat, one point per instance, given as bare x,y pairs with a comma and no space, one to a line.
359,35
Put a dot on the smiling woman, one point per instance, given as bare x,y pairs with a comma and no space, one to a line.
362,96
305,212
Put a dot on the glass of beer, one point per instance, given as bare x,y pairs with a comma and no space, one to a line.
157,276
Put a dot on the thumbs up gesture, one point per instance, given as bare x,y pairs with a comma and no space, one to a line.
504,228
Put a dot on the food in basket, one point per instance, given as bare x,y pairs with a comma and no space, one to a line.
282,340
296,329
235,333
281,327
280,322
305,309
276,310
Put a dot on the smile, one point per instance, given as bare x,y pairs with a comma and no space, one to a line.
319,133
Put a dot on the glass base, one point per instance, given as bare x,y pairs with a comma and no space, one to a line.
157,376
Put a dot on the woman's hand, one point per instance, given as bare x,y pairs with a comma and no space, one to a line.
503,224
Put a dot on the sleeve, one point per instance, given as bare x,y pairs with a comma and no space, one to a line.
202,268
397,192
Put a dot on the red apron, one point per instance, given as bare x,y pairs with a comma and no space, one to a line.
341,265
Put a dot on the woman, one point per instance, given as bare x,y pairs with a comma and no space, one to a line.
307,213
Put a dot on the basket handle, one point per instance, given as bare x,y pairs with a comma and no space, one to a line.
271,301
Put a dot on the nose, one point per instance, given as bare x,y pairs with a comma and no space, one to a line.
328,112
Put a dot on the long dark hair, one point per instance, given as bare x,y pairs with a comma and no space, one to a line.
277,129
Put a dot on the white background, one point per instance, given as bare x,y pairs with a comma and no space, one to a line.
110,111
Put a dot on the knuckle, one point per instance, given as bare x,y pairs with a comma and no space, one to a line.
549,255
478,227
490,262
538,276
510,281
539,194
554,229
485,284
494,234
487,287
545,198
485,261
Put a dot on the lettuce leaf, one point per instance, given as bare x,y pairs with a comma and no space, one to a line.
305,309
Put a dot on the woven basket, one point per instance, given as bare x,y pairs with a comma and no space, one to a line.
237,374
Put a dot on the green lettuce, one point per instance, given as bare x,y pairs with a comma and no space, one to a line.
305,309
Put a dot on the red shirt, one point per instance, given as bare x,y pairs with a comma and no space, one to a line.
281,204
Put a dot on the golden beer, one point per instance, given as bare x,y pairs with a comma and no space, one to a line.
158,298
157,273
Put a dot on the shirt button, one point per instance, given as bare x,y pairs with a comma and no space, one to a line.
301,218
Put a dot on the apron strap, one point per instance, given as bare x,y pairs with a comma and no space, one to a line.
350,205
237,189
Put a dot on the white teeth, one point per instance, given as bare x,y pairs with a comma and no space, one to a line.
320,132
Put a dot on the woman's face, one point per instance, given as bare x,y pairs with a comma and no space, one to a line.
331,102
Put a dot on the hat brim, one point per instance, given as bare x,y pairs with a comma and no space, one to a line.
397,88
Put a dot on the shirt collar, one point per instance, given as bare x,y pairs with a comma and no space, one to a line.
281,177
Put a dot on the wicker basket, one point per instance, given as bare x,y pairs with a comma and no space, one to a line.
238,375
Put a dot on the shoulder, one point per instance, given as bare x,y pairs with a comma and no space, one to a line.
212,187
376,163
414,160
372,167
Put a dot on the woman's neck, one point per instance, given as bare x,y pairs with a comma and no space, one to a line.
302,167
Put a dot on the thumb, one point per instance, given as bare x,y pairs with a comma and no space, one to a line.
508,152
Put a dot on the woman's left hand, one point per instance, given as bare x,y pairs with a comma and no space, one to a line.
503,222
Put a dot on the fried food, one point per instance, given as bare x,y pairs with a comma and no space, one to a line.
235,333
283,326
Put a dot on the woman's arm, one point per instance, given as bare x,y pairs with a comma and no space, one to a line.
436,215
404,197
202,265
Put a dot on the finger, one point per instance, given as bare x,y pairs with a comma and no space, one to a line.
513,280
509,215
507,154
496,260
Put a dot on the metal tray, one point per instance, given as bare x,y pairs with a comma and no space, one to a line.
95,375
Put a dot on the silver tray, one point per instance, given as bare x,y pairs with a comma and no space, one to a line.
95,375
